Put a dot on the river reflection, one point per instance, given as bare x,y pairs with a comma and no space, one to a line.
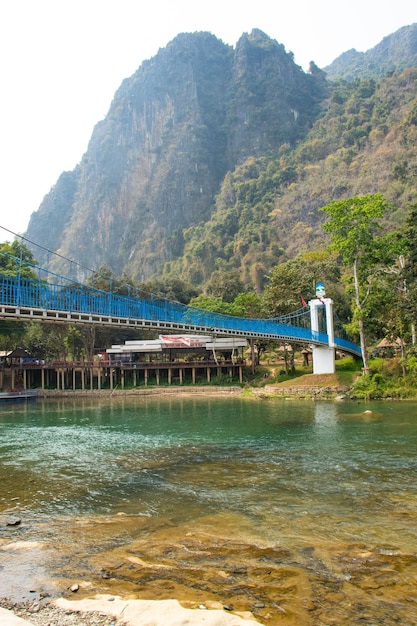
301,512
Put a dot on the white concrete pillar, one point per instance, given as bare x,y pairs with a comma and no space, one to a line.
323,356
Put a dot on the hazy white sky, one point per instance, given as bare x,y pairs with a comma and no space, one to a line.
62,61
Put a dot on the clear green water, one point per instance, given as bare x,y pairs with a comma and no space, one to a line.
206,487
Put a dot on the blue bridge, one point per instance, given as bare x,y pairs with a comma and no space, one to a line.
66,301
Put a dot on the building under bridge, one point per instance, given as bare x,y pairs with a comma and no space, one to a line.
171,348
170,359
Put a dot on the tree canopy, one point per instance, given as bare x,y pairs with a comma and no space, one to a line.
17,259
354,224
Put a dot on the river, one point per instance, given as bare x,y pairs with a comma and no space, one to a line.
302,512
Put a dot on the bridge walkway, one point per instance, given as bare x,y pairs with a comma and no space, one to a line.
26,299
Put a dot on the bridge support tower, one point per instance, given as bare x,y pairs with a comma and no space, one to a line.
323,356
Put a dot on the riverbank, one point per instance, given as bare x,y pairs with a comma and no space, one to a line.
306,386
107,610
46,614
142,391
386,380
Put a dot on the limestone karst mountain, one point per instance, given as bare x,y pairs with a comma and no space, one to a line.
213,157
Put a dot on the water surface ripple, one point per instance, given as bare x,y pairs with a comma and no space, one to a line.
301,512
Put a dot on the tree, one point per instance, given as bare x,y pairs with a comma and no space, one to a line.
106,280
211,303
409,271
225,284
12,334
353,225
47,340
16,259
247,304
169,288
385,299
295,279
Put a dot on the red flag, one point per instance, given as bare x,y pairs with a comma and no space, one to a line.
303,302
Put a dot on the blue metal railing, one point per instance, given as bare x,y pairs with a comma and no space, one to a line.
16,291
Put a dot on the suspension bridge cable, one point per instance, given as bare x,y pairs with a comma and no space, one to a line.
72,261
38,245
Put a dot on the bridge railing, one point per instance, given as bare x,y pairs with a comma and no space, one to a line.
21,292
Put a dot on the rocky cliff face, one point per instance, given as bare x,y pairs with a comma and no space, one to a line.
174,129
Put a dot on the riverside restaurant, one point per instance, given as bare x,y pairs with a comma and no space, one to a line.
168,360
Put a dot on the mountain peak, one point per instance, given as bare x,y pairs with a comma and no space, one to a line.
393,54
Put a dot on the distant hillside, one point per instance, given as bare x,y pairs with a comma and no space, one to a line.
213,159
268,209
395,53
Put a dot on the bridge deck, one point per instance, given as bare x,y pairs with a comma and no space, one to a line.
37,300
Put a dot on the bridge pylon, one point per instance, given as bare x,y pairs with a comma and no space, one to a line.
323,356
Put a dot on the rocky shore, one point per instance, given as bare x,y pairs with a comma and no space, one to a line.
307,386
142,391
104,610
47,614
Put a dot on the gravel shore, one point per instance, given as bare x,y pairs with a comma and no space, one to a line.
46,614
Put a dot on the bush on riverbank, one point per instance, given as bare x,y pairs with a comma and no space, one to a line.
387,379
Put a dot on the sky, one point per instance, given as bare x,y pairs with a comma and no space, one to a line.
61,61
